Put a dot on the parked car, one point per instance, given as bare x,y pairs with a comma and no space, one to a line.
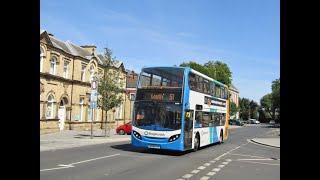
257,122
236,122
251,121
124,129
232,121
272,123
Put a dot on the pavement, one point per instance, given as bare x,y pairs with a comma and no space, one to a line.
74,138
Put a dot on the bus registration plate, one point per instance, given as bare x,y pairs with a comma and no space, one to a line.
153,146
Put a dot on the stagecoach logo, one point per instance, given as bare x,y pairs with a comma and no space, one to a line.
203,133
153,134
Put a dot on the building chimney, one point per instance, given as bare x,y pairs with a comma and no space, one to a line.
90,48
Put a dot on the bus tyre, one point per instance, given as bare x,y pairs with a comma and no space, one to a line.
196,143
221,137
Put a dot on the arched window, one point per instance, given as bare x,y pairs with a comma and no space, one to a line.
53,64
41,59
49,113
91,72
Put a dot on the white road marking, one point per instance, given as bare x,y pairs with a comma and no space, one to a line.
71,165
94,159
221,166
225,162
217,159
211,173
207,164
246,155
228,160
187,176
212,161
216,169
53,169
204,178
254,159
65,165
201,167
262,163
231,150
195,171
106,174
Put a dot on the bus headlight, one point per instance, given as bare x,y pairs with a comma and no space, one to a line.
137,135
174,137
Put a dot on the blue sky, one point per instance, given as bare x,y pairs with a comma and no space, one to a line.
243,34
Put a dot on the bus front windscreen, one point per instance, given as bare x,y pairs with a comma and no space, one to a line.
157,116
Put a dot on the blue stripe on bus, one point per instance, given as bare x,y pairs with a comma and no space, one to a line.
215,137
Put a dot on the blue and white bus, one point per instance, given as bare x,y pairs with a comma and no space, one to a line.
178,108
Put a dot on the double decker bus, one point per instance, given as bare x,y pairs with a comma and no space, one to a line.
178,108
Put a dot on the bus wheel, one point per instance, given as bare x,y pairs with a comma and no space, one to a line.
221,137
196,143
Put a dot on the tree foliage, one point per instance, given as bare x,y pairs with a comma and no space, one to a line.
233,109
109,87
244,108
216,70
270,103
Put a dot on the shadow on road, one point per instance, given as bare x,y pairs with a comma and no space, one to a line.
129,147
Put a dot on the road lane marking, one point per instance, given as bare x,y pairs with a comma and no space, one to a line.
201,167
206,164
255,159
246,155
225,162
204,178
187,176
71,165
53,169
262,163
231,150
212,161
65,165
221,166
216,169
94,159
195,171
211,173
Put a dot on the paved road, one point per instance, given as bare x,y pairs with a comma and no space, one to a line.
238,158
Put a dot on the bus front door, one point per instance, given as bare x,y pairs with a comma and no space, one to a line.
188,124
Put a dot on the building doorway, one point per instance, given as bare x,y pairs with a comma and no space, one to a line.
61,114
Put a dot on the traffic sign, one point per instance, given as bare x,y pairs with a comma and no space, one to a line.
94,85
93,105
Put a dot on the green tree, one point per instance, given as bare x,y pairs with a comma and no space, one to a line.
266,104
276,98
254,107
220,71
244,108
195,66
270,103
216,70
109,87
233,109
